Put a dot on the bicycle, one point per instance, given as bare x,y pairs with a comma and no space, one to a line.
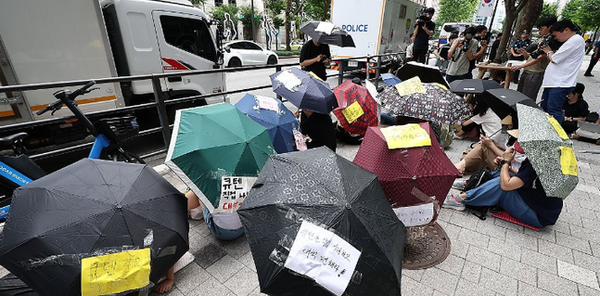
19,170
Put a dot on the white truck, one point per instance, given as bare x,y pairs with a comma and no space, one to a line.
59,40
377,27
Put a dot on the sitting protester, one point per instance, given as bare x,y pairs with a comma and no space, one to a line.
518,191
483,118
592,135
575,109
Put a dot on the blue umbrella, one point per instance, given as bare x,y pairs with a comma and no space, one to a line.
390,79
304,90
280,124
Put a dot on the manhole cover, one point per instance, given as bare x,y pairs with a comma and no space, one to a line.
425,246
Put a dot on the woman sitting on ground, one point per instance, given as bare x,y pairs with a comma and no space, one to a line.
575,109
483,117
519,192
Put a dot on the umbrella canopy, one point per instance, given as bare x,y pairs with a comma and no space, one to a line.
358,109
435,104
304,90
473,86
214,141
504,101
322,187
424,72
549,149
91,207
390,79
327,33
408,176
274,116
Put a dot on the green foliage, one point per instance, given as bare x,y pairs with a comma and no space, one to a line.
218,13
283,53
198,2
548,10
274,7
318,10
586,13
456,11
246,12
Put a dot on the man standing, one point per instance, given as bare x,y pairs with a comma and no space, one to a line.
495,47
423,30
561,75
462,52
593,61
533,73
314,57
517,49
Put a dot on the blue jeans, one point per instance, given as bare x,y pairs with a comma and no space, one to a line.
387,118
490,193
553,99
221,233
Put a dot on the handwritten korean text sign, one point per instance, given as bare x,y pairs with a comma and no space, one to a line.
115,273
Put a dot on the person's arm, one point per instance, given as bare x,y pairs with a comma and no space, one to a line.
491,144
508,183
478,55
457,43
305,60
529,63
429,32
437,54
596,53
467,122
416,30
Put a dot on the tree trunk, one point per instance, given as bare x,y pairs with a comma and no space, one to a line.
513,7
288,34
528,17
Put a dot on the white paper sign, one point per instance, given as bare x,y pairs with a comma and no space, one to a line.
267,103
323,256
300,141
233,192
415,215
325,28
289,80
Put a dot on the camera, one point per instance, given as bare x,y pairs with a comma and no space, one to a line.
423,15
535,49
487,37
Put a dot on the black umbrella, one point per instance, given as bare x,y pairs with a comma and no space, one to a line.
425,73
88,208
503,101
473,86
322,187
335,36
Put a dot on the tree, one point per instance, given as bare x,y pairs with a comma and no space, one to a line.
528,17
513,8
548,10
318,9
452,11
246,13
198,2
218,13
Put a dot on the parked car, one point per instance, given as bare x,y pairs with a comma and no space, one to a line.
246,53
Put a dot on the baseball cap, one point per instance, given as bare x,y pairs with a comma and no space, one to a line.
524,32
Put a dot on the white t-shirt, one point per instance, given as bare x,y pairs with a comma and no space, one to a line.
565,65
490,123
227,220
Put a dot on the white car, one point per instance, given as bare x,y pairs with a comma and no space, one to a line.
246,53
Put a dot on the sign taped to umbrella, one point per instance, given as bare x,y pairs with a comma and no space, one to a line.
233,192
406,136
561,132
289,80
115,273
323,256
267,103
568,162
410,86
353,112
415,215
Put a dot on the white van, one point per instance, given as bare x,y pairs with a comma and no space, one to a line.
452,27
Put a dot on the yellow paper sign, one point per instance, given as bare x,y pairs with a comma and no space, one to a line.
561,132
315,75
410,86
115,273
568,163
406,136
353,112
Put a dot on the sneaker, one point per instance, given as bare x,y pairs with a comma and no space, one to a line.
459,184
588,75
452,202
197,214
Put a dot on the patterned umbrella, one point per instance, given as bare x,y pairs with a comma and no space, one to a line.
357,109
303,90
435,104
549,149
408,176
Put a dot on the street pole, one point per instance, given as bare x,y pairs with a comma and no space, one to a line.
493,15
252,20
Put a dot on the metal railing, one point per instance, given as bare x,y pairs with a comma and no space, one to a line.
159,100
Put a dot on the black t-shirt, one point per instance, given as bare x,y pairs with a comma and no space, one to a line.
578,109
533,194
422,38
310,50
444,51
320,129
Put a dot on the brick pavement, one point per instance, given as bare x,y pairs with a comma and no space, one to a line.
490,257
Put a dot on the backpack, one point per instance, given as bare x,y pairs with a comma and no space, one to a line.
476,179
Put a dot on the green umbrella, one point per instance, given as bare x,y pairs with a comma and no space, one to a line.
214,141
549,149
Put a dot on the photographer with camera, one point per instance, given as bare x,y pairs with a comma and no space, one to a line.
561,75
424,28
463,51
533,70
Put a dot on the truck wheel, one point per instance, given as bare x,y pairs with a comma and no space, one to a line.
234,62
272,60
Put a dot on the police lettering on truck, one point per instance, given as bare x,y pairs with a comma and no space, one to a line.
356,28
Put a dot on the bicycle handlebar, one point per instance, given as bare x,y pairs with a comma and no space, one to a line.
82,90
66,95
